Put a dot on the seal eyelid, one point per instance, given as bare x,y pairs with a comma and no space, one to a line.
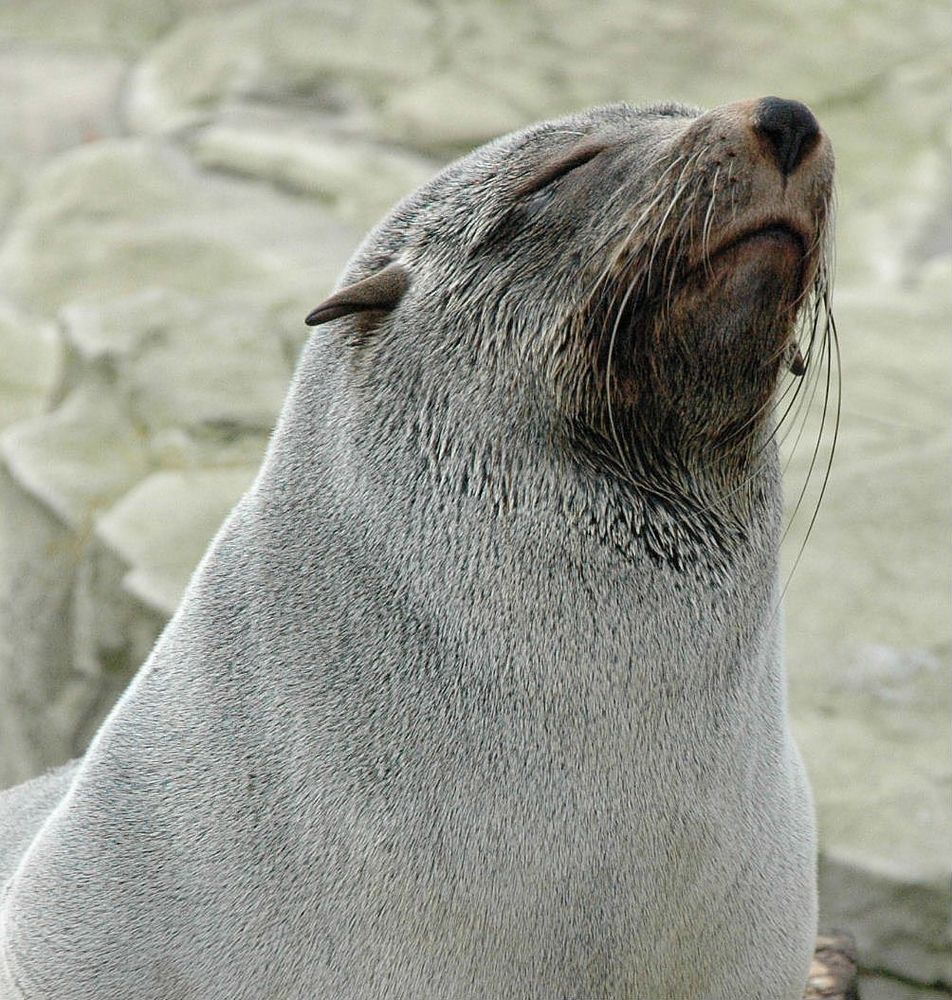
560,166
379,292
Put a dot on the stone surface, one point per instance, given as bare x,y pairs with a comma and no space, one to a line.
122,25
156,315
869,637
9,188
83,455
873,987
124,215
56,98
216,366
38,556
300,152
30,360
899,912
334,56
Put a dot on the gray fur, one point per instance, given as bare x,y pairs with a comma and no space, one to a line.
479,690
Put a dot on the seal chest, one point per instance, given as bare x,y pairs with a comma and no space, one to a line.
479,691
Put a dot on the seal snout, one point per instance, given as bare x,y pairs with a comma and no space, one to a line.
778,164
790,128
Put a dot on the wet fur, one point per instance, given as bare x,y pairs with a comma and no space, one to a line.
479,691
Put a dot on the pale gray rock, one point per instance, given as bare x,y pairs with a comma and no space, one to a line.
141,391
124,215
56,98
110,220
302,153
182,302
156,380
216,366
129,579
57,471
111,634
81,456
9,188
448,75
869,640
339,57
900,917
38,561
423,112
122,25
30,359
873,987
894,171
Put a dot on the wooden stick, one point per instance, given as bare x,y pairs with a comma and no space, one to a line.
833,973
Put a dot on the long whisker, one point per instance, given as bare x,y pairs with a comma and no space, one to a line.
799,396
706,228
819,437
812,384
834,339
672,204
619,309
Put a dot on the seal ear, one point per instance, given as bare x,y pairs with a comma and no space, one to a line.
380,292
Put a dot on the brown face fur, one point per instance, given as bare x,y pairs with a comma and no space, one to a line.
692,319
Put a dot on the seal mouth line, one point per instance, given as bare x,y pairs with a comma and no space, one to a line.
780,228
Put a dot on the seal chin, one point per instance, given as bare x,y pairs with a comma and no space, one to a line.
750,279
744,299
777,249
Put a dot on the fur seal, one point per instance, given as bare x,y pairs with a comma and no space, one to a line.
479,690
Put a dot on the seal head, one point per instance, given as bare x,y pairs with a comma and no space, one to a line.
634,277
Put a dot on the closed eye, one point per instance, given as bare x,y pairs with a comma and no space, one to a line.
559,167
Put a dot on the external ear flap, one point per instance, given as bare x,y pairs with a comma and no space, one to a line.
382,291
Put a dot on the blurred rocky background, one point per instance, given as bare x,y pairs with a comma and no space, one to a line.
180,181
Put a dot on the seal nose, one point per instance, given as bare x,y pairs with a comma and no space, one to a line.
790,128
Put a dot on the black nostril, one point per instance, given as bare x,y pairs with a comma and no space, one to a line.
791,129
